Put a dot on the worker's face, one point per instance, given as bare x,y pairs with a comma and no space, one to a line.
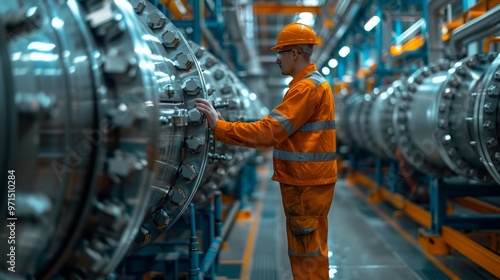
285,58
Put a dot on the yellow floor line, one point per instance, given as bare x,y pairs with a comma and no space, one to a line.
405,234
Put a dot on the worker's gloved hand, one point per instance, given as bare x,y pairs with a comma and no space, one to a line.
208,110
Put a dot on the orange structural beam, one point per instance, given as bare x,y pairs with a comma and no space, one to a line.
412,210
177,8
472,250
476,205
284,9
412,45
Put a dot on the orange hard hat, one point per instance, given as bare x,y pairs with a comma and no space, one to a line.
295,34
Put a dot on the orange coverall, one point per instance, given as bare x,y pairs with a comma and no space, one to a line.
302,131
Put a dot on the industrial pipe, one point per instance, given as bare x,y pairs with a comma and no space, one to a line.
476,29
433,37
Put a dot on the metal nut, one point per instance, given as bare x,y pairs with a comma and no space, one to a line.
178,197
183,61
143,236
191,87
138,5
194,144
188,172
161,218
169,39
156,20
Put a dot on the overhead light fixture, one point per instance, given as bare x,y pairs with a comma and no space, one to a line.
306,18
325,70
333,63
369,25
344,51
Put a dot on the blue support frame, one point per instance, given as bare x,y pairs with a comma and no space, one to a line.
440,191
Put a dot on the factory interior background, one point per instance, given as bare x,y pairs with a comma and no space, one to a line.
108,171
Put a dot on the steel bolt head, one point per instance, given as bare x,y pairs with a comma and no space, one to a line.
191,87
218,74
209,62
472,62
169,39
442,123
143,236
188,172
426,72
488,108
491,142
178,197
411,88
461,70
447,93
199,52
194,144
183,61
481,57
138,5
226,89
489,125
195,116
156,20
493,91
497,75
496,157
161,218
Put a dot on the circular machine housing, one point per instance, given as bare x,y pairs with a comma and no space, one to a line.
381,125
486,118
457,124
416,113
103,132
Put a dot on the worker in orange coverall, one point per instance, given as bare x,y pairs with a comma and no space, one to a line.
302,131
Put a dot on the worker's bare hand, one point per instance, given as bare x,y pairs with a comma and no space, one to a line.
206,108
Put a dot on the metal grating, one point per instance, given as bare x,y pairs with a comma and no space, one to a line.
265,257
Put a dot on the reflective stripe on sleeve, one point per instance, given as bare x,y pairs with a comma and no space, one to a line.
313,254
291,156
285,123
323,125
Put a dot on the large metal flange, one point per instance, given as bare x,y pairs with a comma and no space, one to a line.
235,102
413,130
381,126
455,114
127,102
184,137
365,122
487,118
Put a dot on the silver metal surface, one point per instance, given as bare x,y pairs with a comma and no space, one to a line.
416,118
454,136
486,113
235,102
100,132
183,146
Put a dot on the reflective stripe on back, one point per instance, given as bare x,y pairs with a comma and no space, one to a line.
313,126
316,77
292,156
285,123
